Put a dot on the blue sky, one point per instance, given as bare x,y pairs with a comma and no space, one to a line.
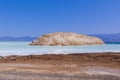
36,17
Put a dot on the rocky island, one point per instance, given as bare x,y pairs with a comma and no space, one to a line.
66,39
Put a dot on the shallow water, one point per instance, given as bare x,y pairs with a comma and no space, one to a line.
22,48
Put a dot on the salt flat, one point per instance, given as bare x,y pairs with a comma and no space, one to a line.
94,66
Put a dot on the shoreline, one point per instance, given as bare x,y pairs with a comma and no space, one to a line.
101,52
86,66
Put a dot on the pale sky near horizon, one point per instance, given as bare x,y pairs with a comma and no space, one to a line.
36,17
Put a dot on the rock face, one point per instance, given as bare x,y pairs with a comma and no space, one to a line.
66,39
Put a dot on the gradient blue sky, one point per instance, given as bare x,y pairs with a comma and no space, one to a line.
36,17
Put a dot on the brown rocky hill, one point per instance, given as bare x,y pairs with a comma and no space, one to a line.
66,39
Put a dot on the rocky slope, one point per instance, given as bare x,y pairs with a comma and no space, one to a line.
66,39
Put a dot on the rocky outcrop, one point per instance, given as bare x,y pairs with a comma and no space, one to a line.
66,39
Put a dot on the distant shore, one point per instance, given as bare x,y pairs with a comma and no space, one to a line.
93,66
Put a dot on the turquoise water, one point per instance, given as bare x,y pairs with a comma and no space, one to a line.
22,48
